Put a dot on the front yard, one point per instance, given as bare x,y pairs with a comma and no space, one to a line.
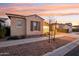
35,48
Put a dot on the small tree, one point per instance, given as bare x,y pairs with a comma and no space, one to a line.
55,30
50,29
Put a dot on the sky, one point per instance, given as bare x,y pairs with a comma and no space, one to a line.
63,13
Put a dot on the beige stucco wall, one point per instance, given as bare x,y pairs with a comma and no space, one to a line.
25,26
17,31
28,22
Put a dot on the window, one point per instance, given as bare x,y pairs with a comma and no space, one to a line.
35,25
19,23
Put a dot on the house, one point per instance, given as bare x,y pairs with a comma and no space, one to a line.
62,27
66,26
2,21
45,27
31,25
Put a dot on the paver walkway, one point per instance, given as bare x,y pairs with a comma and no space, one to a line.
23,41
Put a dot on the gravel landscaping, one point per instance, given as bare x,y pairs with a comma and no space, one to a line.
35,48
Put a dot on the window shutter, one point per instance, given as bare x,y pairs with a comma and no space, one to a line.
39,26
31,26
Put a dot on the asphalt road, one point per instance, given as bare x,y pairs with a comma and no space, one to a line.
74,52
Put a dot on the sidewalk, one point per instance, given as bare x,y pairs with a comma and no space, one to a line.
23,41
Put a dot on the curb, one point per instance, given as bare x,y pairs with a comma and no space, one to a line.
64,49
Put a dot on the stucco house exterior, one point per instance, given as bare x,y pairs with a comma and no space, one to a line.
61,27
31,25
45,27
67,26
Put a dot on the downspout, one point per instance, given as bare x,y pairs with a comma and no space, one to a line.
25,27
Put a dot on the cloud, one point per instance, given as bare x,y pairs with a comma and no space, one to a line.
43,9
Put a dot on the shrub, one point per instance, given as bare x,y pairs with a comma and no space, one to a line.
75,30
62,30
2,32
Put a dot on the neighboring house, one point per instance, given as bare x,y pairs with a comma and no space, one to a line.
31,25
67,26
2,21
45,27
62,27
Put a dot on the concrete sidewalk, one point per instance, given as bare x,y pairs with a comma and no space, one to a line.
24,41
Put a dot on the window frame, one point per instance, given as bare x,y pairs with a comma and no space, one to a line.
37,26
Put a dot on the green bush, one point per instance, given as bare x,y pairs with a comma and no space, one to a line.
2,32
75,30
62,30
